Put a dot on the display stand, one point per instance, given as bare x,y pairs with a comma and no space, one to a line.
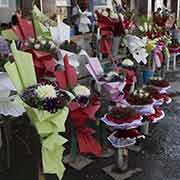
120,171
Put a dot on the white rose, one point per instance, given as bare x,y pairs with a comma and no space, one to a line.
43,42
37,46
31,40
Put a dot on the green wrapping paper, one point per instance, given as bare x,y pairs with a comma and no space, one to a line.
22,71
42,17
9,34
52,152
48,125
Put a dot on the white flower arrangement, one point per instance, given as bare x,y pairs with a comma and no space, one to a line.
46,91
81,91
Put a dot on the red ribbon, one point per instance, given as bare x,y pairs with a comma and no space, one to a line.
79,116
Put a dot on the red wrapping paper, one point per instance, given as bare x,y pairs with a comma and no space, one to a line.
24,28
44,63
153,117
79,116
68,77
132,133
124,120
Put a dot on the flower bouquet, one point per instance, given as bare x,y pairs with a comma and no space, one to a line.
83,108
155,95
156,117
159,82
162,85
45,96
141,101
113,83
41,45
124,138
123,118
44,108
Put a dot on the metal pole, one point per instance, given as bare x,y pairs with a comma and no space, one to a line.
149,11
169,4
41,5
178,13
122,159
132,4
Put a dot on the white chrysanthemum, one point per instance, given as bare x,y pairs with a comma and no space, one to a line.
46,91
37,46
81,91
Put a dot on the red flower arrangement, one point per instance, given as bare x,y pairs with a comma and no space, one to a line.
122,115
140,97
159,82
153,92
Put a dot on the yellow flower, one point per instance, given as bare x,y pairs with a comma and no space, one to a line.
151,45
